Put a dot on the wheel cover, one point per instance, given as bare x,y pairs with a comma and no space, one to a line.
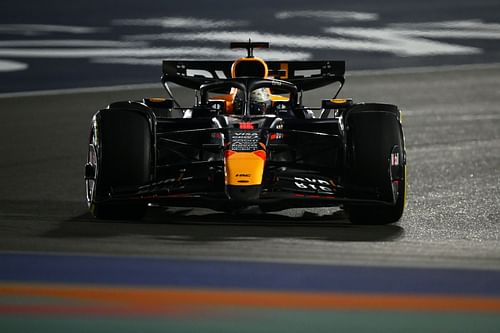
90,183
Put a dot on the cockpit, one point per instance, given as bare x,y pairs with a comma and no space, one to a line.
250,99
248,96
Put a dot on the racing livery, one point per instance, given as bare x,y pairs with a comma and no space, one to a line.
248,140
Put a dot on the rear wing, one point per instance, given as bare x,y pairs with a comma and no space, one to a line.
306,75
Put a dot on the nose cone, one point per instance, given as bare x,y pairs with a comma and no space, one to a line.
244,171
244,168
243,193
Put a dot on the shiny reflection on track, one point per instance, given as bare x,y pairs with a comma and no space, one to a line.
189,225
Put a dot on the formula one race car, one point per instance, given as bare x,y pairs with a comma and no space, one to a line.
248,141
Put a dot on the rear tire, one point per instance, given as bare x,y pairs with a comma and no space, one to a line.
375,138
119,155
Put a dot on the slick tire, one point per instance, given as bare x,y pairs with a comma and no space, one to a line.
378,214
120,155
375,133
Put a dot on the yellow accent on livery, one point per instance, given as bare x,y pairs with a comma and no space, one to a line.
245,168
338,101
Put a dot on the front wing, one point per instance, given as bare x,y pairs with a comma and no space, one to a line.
292,190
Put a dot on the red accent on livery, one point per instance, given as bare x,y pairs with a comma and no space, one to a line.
246,126
261,154
228,153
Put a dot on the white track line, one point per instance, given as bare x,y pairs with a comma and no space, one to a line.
359,73
69,91
12,66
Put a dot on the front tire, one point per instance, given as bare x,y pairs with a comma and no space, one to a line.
378,161
378,214
119,155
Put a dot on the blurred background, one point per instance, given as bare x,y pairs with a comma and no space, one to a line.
57,44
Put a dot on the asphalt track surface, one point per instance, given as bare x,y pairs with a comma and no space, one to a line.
436,270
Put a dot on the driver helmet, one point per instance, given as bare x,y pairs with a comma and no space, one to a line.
260,101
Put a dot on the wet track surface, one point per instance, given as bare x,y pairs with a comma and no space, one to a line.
296,270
